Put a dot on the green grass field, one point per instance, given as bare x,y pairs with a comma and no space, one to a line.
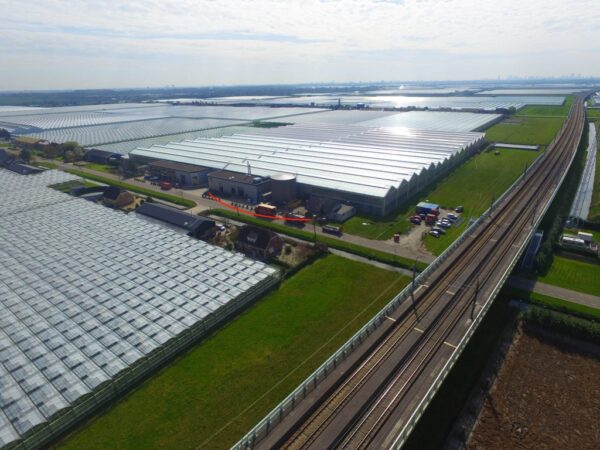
472,185
130,187
551,302
47,165
525,130
575,275
548,111
215,393
593,113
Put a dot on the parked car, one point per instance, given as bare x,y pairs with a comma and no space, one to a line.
434,233
416,220
459,209
422,216
452,217
439,230
445,224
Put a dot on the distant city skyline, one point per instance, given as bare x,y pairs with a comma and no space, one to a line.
52,44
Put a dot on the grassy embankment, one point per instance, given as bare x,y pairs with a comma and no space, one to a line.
217,391
130,187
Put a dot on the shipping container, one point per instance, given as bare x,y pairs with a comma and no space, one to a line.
428,208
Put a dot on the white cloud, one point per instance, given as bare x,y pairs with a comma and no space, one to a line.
237,41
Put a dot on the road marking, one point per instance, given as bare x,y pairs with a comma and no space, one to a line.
450,345
419,330
388,317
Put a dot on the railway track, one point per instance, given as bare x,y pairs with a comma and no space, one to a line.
362,404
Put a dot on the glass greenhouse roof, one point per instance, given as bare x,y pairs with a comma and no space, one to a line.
78,312
362,160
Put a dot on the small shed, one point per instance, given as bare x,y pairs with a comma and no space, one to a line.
101,156
195,226
117,197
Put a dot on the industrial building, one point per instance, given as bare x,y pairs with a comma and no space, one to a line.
83,320
180,174
239,186
373,169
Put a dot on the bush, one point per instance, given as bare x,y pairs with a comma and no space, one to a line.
562,323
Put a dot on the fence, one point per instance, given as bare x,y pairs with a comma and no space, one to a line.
264,427
130,377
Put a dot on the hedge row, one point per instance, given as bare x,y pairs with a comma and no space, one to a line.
563,323
130,187
332,242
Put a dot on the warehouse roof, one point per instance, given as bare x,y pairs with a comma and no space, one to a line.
172,216
180,167
363,160
237,177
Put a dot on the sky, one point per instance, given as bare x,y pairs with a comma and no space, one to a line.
53,44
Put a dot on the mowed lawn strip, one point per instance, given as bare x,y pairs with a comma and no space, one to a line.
215,393
525,130
575,275
472,185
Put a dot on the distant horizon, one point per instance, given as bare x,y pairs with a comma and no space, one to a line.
90,44
411,84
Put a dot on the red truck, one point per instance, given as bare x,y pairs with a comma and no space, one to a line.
430,219
166,185
265,210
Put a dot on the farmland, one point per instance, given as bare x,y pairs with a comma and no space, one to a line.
212,395
525,130
544,397
547,111
472,185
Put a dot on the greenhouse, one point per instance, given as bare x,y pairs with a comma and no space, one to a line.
371,168
84,319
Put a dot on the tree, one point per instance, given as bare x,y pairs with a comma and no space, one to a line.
4,134
26,155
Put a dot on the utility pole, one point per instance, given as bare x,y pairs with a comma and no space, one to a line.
413,287
475,299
